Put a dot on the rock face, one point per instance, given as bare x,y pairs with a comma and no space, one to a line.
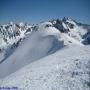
78,31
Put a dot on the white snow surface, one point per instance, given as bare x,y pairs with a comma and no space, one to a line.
48,60
67,69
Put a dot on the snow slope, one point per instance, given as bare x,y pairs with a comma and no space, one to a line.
39,44
53,55
67,69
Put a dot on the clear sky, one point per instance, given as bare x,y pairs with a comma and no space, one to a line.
41,10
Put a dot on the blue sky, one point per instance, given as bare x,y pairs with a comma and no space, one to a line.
41,10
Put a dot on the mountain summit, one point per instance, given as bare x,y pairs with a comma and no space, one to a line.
68,30
51,55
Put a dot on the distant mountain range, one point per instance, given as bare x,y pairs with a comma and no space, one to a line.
12,33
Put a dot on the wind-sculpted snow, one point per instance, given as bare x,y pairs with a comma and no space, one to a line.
36,46
67,69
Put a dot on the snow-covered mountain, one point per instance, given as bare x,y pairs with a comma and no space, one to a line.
75,30
52,55
10,37
11,33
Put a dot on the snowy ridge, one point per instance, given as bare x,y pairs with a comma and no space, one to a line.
47,43
68,69
52,55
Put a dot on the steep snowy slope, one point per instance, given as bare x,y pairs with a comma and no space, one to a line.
57,55
67,69
39,44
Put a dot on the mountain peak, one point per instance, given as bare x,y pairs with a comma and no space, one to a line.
11,33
